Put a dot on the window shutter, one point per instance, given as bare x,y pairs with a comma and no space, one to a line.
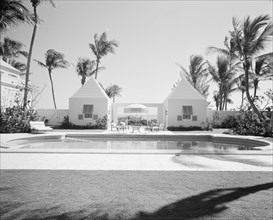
194,117
179,117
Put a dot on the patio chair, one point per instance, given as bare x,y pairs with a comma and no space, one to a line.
161,127
39,126
122,125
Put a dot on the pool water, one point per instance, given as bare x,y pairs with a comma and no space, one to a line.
127,144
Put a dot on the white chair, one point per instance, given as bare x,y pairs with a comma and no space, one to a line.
39,126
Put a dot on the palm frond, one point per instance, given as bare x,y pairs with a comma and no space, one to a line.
212,49
40,63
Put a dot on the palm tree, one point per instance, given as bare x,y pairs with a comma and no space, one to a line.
18,65
86,68
102,47
224,75
113,91
35,4
10,49
228,51
197,74
249,38
263,70
53,60
11,13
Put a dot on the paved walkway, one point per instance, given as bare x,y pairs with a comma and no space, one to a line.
119,161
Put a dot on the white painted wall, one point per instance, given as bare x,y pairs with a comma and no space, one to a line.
101,108
174,108
54,116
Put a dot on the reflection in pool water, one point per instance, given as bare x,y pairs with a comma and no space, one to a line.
184,146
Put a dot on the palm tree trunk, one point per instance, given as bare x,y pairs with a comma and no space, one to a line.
29,56
83,80
97,67
255,89
220,98
242,103
52,88
246,68
113,99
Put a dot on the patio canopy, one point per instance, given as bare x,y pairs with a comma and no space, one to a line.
136,108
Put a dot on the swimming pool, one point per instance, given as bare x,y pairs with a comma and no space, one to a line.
183,144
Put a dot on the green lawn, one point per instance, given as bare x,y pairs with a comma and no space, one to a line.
36,194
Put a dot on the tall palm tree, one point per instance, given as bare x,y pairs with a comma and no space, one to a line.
224,75
35,4
197,74
113,91
10,49
11,13
249,38
228,51
53,60
263,70
102,47
86,68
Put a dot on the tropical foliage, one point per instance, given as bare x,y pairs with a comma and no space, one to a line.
262,70
53,60
86,68
224,74
16,119
101,48
113,91
35,4
197,74
13,12
249,39
10,50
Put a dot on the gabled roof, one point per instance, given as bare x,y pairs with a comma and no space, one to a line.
91,89
184,90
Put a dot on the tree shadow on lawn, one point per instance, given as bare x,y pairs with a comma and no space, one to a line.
204,205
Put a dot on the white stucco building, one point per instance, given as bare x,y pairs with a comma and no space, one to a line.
88,104
11,84
184,106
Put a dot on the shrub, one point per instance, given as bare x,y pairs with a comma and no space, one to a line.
16,120
101,123
229,122
248,123
66,124
216,120
181,128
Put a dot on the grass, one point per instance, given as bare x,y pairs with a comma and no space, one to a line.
36,194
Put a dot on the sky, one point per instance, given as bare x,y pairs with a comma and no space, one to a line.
153,37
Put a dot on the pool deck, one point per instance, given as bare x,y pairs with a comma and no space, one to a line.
70,160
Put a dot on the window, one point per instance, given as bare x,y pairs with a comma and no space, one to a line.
179,117
88,111
80,117
187,112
